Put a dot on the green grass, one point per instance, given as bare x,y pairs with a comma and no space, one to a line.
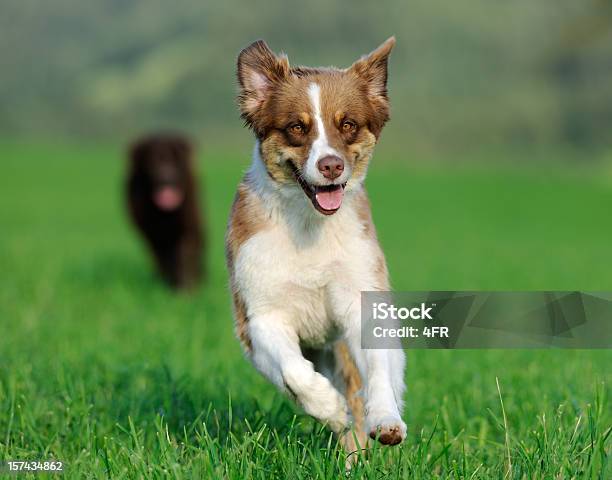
104,369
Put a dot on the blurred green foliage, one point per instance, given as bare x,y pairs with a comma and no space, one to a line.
463,74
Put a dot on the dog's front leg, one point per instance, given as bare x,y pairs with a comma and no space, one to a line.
276,354
383,406
383,373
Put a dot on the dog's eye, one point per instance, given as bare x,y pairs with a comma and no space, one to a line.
348,126
297,128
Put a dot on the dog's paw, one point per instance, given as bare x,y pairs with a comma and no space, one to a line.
389,430
334,413
321,400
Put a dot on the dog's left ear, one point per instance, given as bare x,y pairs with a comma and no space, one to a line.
373,69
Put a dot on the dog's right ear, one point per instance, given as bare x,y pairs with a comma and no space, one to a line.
258,70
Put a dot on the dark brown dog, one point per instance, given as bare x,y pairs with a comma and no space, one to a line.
163,203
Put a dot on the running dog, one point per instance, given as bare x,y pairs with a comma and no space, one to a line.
162,200
301,244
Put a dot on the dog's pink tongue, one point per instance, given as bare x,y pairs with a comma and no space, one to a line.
330,200
168,198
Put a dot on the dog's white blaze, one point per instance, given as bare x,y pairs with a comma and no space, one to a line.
320,147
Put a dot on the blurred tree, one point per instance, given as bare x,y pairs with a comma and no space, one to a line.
463,75
581,64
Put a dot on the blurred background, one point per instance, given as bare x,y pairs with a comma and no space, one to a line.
495,173
463,75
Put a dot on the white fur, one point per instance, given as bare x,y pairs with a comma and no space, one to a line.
320,147
301,278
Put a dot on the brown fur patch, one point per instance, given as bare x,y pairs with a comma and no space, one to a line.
362,153
275,153
365,217
382,273
258,70
342,99
373,69
241,320
353,383
247,218
362,204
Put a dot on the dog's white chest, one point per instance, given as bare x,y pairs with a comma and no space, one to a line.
281,272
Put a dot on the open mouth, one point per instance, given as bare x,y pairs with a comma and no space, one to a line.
327,199
168,198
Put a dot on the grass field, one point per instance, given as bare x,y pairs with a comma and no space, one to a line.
102,368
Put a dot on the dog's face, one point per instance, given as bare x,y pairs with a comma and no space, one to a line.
162,164
317,127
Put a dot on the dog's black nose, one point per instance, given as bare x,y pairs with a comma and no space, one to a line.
331,166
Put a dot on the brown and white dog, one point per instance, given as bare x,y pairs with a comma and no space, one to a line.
301,244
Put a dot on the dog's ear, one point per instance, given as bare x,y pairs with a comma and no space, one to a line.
373,69
136,150
182,148
258,70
